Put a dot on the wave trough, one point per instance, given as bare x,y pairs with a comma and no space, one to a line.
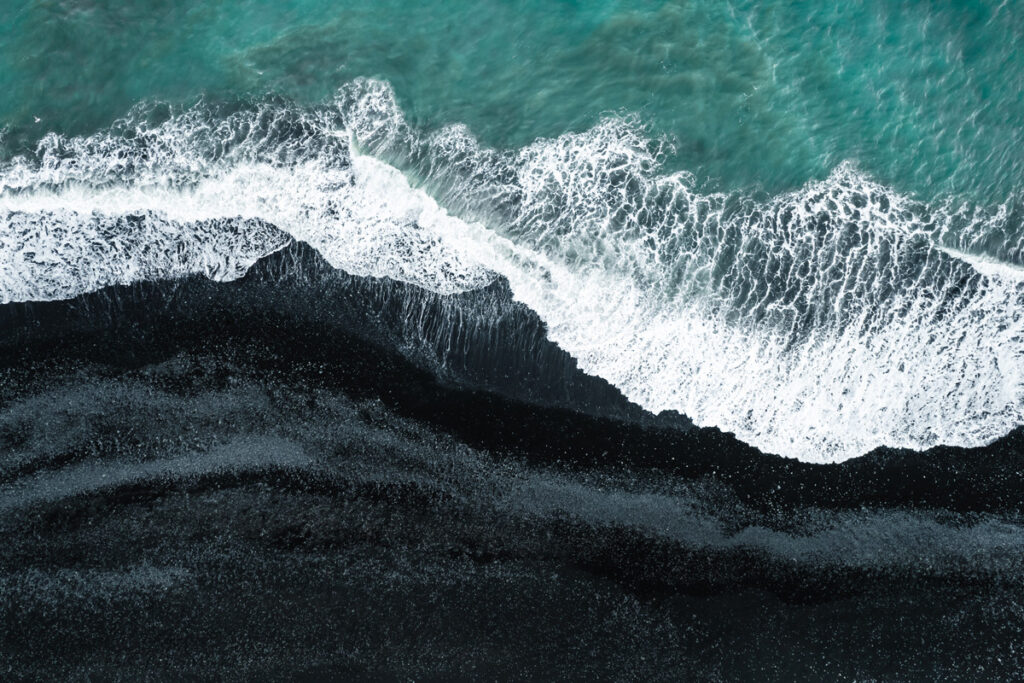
818,324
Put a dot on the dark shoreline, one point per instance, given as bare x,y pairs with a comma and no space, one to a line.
283,477
293,311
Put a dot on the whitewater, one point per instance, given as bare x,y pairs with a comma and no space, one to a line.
817,324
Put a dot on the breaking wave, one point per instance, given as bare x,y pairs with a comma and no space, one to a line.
817,324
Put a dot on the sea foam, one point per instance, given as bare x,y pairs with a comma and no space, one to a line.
818,324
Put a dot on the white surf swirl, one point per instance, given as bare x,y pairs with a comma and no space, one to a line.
818,324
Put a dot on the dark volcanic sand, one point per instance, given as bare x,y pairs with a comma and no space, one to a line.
305,473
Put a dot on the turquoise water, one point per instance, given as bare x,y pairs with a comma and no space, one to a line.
927,97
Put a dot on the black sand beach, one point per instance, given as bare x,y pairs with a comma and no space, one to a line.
307,474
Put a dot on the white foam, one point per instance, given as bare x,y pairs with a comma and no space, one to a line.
63,229
987,265
818,324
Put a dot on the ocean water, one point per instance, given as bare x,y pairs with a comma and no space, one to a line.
800,224
921,96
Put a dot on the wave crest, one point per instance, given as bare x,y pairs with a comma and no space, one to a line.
819,324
